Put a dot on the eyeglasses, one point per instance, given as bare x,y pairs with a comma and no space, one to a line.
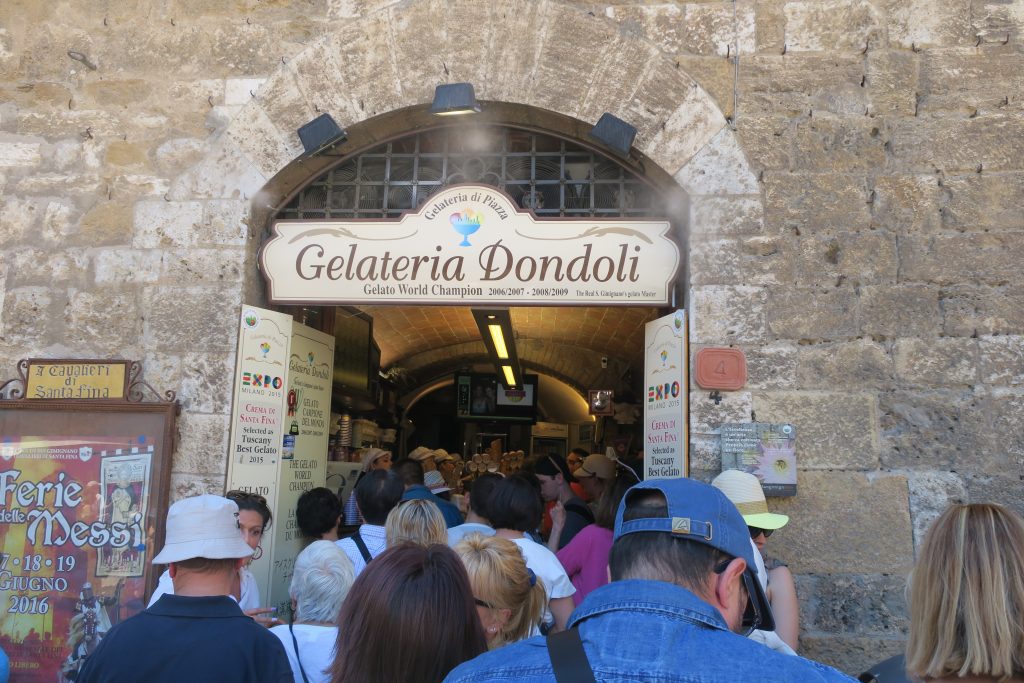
751,613
481,603
757,531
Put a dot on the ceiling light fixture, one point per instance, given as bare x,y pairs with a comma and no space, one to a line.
495,325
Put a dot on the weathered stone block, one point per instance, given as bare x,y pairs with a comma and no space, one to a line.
854,257
185,318
128,265
705,456
969,309
206,382
794,84
832,25
255,134
853,655
719,168
937,362
832,143
994,143
174,156
922,23
900,310
833,429
27,318
727,314
105,321
225,222
715,75
19,154
754,260
203,443
891,81
813,313
727,215
162,224
47,267
989,258
241,91
198,266
1006,489
984,201
18,216
933,430
1007,410
871,604
866,531
670,135
930,494
1002,360
816,202
772,366
965,80
124,153
855,365
707,415
186,484
767,140
107,222
907,203
997,23
225,173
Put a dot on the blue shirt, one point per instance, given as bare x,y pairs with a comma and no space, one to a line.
650,630
457,533
452,516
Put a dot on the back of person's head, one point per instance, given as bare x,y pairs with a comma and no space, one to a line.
410,616
657,556
608,504
410,471
967,596
501,581
552,465
321,579
416,521
252,501
481,491
203,537
516,503
317,512
377,493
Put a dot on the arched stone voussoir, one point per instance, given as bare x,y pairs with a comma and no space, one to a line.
225,173
719,168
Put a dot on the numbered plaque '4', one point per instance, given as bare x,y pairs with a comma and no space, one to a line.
720,368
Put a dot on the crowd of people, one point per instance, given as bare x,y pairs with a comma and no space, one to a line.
571,569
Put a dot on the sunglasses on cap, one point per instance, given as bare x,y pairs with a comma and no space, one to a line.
757,531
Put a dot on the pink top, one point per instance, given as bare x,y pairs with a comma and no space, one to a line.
585,559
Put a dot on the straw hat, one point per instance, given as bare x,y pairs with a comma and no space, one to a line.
372,455
435,482
203,526
440,455
596,465
744,490
420,453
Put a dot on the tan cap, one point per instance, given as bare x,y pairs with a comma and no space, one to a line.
596,465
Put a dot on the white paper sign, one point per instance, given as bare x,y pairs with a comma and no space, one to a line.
470,244
666,430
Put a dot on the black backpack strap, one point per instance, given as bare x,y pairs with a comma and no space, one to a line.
363,550
581,510
569,661
295,644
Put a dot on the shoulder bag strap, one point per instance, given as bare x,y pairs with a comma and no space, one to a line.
581,510
569,661
363,550
298,659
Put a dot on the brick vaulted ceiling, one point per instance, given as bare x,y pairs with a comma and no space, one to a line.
565,342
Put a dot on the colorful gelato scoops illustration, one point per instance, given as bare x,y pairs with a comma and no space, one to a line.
250,319
664,356
265,349
309,357
466,223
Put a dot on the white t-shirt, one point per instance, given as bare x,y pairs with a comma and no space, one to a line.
250,590
548,569
376,542
316,649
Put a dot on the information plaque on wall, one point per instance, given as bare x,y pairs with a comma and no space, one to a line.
766,450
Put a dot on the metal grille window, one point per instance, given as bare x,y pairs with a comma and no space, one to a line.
549,175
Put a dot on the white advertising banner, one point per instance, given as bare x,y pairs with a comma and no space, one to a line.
467,245
304,453
666,423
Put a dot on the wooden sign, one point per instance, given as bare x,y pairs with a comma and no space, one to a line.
76,379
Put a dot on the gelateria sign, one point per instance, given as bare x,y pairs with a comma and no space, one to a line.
471,244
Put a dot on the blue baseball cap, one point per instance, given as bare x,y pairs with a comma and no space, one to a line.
701,513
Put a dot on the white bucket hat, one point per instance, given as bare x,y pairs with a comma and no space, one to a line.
203,526
744,490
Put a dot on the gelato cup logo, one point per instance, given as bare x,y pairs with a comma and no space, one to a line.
466,223
251,318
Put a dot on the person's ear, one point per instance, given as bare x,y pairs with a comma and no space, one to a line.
172,570
502,616
728,592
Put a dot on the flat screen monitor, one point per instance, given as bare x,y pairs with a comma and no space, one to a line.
481,397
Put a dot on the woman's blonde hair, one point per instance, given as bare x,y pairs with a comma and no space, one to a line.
967,596
499,577
416,521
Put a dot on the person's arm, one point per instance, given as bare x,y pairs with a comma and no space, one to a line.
573,554
557,524
782,595
561,609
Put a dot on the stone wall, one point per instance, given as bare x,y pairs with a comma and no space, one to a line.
855,170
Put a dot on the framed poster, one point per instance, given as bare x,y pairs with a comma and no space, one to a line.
83,499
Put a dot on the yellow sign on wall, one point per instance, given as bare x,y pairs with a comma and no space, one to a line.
71,379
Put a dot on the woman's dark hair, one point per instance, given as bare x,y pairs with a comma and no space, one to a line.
608,504
480,493
317,512
550,465
251,501
377,493
516,503
409,616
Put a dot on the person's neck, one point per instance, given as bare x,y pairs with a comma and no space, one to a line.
331,535
510,534
202,584
565,493
473,518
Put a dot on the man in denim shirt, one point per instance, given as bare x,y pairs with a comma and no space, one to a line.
682,597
